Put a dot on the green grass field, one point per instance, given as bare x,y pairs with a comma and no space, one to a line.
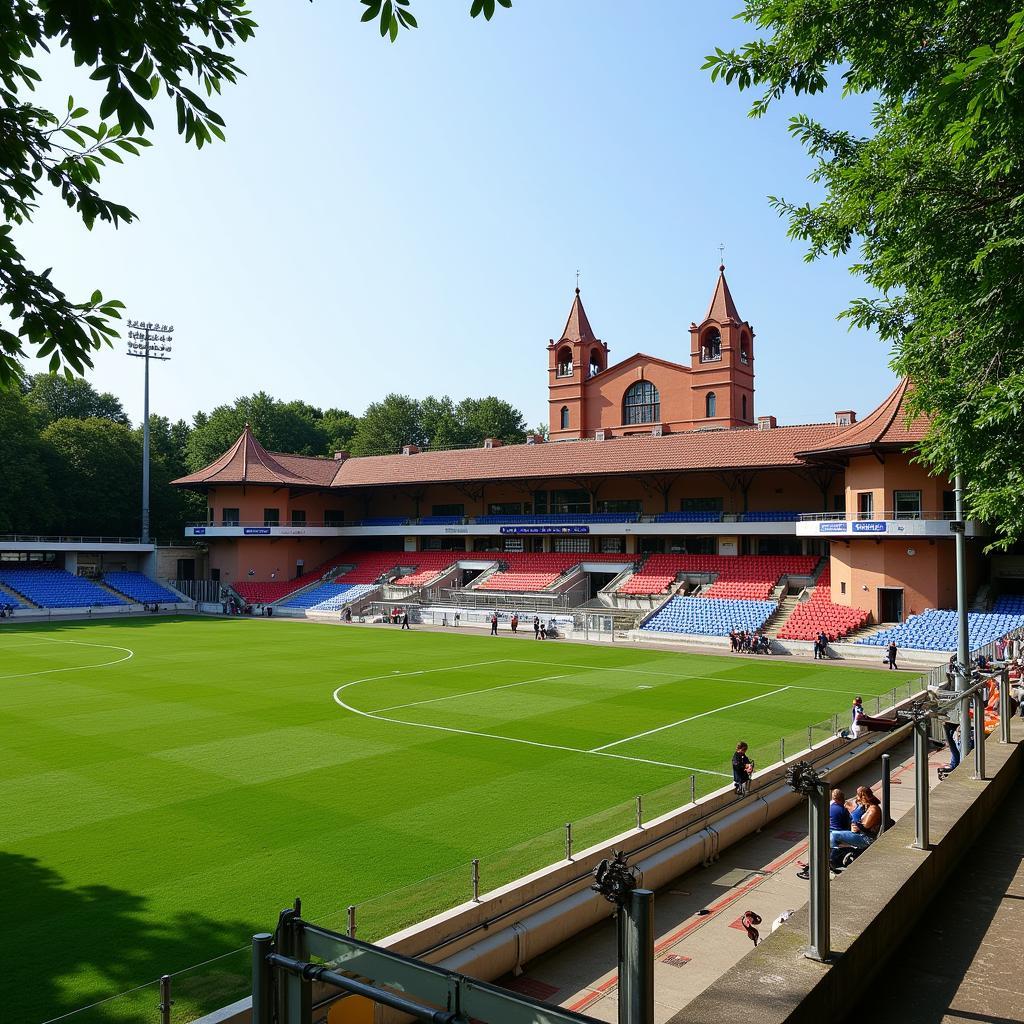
168,785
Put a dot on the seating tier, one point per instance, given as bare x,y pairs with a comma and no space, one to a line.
709,616
936,630
139,587
56,588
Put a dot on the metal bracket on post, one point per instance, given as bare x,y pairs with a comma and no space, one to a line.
639,812
804,779
166,1002
296,1004
568,840
351,921
476,880
616,881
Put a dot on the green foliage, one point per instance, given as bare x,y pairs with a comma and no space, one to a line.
930,200
394,15
52,396
26,500
388,425
491,417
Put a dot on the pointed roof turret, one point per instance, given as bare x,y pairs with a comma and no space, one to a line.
722,307
577,327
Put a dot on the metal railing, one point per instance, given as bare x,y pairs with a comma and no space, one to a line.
59,538
889,514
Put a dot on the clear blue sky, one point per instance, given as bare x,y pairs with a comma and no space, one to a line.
410,217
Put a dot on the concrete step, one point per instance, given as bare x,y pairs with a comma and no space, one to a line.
786,608
11,592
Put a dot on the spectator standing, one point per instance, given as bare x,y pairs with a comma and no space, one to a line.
515,621
856,713
458,615
820,646
892,652
536,627
742,770
494,623
405,618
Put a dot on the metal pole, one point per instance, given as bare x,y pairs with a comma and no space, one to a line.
352,921
262,979
476,880
979,734
145,449
810,738
568,840
639,812
636,968
1004,706
782,748
921,784
886,782
166,1002
693,789
963,651
818,831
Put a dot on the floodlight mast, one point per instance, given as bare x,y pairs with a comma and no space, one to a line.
147,341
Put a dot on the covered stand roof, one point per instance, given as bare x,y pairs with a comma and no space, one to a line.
248,462
886,428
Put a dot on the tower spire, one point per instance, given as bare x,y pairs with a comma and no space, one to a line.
577,327
722,307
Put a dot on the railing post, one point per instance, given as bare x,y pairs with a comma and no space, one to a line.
639,811
693,789
979,734
1004,706
636,977
352,921
476,880
568,840
810,737
921,783
804,779
262,979
886,783
166,1002
782,748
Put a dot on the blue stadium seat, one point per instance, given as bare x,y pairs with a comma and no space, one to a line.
328,597
384,521
139,588
710,616
55,588
770,517
936,630
440,520
563,519
688,517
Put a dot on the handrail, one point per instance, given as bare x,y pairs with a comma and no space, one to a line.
881,514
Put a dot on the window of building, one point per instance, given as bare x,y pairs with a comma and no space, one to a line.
448,510
229,516
564,368
595,362
710,405
505,508
612,545
865,504
907,504
744,351
711,346
621,505
701,505
334,517
562,502
839,502
513,544
949,504
210,517
271,517
298,517
842,586
744,406
571,545
564,419
641,403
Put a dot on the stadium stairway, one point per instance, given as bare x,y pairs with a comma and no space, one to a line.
10,596
786,608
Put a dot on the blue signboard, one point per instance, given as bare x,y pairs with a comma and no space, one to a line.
256,531
869,527
545,529
198,531
832,527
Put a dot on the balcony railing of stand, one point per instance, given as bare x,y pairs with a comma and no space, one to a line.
54,538
885,514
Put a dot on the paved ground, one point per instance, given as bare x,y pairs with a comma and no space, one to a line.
698,935
963,964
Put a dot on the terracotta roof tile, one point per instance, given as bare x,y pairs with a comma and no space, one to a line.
886,427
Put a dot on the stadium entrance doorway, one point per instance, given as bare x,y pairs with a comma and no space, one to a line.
890,604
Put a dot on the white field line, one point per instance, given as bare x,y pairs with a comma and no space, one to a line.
466,693
683,721
128,653
495,736
704,679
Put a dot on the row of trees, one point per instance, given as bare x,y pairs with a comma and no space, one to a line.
73,460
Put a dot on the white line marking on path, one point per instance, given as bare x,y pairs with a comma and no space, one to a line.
128,653
495,736
466,693
683,721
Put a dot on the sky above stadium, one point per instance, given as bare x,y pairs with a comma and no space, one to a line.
411,217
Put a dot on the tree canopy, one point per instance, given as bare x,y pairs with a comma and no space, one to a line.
138,51
930,199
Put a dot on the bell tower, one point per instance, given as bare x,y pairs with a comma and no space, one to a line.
572,360
722,364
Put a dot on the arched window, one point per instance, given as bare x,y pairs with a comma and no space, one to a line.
565,417
564,362
710,405
711,347
641,403
744,406
745,350
595,362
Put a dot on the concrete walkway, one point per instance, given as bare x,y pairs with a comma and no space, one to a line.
697,927
963,963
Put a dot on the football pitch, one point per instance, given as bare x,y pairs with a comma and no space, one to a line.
168,785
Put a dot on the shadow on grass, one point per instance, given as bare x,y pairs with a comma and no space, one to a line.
64,948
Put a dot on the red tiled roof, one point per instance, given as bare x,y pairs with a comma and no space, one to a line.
744,447
248,462
886,427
